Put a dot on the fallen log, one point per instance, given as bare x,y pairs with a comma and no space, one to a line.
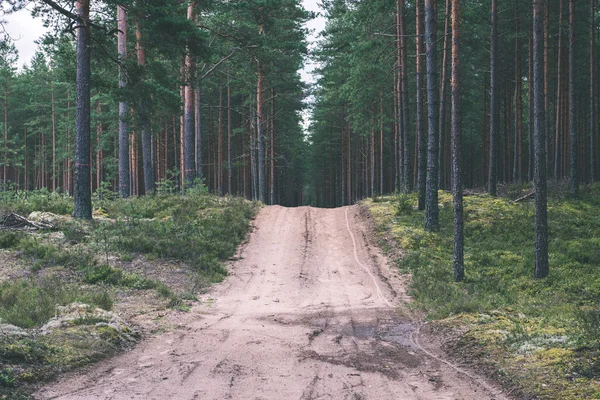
12,221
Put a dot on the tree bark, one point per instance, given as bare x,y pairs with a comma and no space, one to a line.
403,85
54,176
144,128
559,100
431,194
457,192
229,168
493,168
188,110
443,80
123,106
83,194
259,129
530,127
5,166
541,211
518,137
573,147
220,143
592,115
421,141
198,114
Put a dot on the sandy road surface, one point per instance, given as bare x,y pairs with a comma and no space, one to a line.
307,313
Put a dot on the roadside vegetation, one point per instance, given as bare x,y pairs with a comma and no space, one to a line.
541,337
63,290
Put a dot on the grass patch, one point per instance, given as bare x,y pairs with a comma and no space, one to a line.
27,303
543,334
200,230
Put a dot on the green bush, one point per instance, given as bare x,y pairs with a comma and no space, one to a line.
27,303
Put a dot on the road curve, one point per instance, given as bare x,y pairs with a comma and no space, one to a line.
310,311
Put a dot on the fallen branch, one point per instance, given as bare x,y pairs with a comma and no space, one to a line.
12,221
523,197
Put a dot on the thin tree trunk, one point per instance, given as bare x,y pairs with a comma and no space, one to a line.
592,116
493,168
229,169
259,130
530,127
144,128
459,271
443,80
518,138
83,195
272,145
559,100
421,141
406,178
124,184
548,124
381,146
4,167
541,211
573,147
431,194
198,114
98,146
220,143
188,110
53,134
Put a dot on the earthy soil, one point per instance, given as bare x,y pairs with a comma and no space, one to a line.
310,311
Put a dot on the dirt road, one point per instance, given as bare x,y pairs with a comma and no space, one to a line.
310,311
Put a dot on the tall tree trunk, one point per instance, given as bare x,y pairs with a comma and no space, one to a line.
124,184
548,123
54,176
592,115
188,110
443,80
530,127
259,130
272,146
144,118
220,143
493,171
517,172
83,195
5,164
573,147
404,113
559,99
229,169
381,145
541,208
98,146
459,271
198,114
421,140
431,195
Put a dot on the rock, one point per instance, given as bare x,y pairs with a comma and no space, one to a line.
47,217
66,315
11,330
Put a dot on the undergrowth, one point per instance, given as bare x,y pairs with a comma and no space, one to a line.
75,263
543,334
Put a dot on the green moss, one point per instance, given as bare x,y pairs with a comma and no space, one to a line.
532,330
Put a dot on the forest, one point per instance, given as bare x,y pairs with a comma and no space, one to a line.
174,98
142,147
